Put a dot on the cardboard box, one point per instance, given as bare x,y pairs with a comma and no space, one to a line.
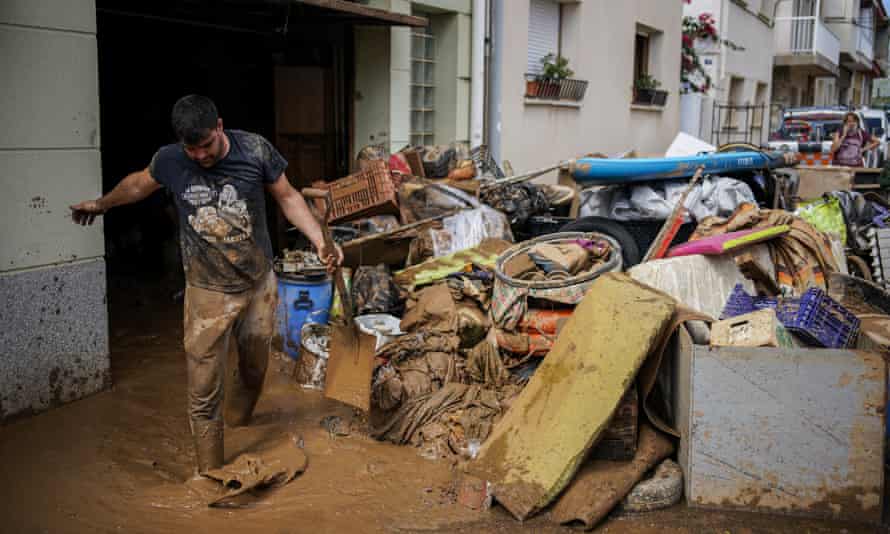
756,329
816,181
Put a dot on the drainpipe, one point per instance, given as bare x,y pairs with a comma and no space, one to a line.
494,78
477,76
724,24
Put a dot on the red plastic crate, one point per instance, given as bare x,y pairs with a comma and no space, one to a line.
366,193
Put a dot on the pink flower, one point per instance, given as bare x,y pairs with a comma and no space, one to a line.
687,41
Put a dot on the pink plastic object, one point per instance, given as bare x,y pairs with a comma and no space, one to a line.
720,244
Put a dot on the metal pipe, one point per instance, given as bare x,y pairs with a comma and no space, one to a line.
477,75
496,66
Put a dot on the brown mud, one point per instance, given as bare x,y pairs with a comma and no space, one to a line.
116,462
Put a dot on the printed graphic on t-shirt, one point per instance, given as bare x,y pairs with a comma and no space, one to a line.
220,215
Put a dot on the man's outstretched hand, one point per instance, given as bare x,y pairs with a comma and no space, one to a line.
85,212
332,260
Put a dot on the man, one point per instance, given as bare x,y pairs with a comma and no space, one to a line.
218,179
849,146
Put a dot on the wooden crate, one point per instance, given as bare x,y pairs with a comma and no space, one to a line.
366,193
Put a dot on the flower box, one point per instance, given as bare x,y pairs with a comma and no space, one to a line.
554,89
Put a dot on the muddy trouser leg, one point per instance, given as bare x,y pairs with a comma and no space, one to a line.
253,334
209,318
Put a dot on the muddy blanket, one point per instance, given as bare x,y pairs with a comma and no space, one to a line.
446,420
601,484
803,256
435,309
270,468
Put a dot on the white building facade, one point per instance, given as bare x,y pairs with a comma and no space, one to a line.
740,65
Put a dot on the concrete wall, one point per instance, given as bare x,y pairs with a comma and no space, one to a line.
598,39
54,344
383,75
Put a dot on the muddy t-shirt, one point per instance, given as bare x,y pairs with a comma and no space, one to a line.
222,210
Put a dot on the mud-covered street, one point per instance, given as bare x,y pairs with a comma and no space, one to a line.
116,461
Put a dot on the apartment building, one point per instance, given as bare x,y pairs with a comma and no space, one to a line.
413,84
533,122
740,64
826,51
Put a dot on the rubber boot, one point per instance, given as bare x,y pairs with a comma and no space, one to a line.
239,405
208,436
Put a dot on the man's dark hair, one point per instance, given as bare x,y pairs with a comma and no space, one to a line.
193,117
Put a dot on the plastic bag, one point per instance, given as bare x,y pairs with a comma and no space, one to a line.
466,229
718,196
825,215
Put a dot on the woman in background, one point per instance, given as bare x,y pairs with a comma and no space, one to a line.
850,145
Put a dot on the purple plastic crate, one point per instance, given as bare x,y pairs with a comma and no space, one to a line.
819,319
815,317
740,303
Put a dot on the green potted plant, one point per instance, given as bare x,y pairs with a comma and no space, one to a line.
644,89
556,68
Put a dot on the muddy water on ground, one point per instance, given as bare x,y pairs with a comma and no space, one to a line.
115,462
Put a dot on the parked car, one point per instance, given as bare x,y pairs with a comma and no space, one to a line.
808,132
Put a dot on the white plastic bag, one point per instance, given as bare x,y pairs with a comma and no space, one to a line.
466,229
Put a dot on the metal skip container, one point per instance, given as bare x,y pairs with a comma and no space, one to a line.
787,430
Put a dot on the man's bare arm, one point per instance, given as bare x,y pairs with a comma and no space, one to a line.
295,210
135,187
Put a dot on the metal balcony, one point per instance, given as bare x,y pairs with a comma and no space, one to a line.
807,42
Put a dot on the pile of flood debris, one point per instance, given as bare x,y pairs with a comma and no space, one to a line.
585,351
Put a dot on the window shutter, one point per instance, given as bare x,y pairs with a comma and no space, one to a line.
543,32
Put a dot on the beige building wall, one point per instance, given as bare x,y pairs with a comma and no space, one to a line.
54,341
598,39
383,100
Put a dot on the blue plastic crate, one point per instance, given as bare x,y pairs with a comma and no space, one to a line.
819,319
740,303
815,317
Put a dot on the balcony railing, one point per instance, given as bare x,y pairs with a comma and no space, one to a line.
801,36
865,43
554,89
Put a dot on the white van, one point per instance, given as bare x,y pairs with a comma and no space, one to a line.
876,124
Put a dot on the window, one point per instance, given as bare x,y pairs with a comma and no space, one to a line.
543,32
760,101
641,56
423,68
736,88
646,68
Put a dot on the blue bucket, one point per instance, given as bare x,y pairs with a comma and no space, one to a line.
301,300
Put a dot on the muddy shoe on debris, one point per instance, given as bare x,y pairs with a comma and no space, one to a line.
663,490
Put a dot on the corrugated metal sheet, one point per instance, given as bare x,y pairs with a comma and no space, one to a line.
799,431
543,32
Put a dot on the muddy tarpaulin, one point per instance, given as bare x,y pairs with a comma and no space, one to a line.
535,450
270,468
601,484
